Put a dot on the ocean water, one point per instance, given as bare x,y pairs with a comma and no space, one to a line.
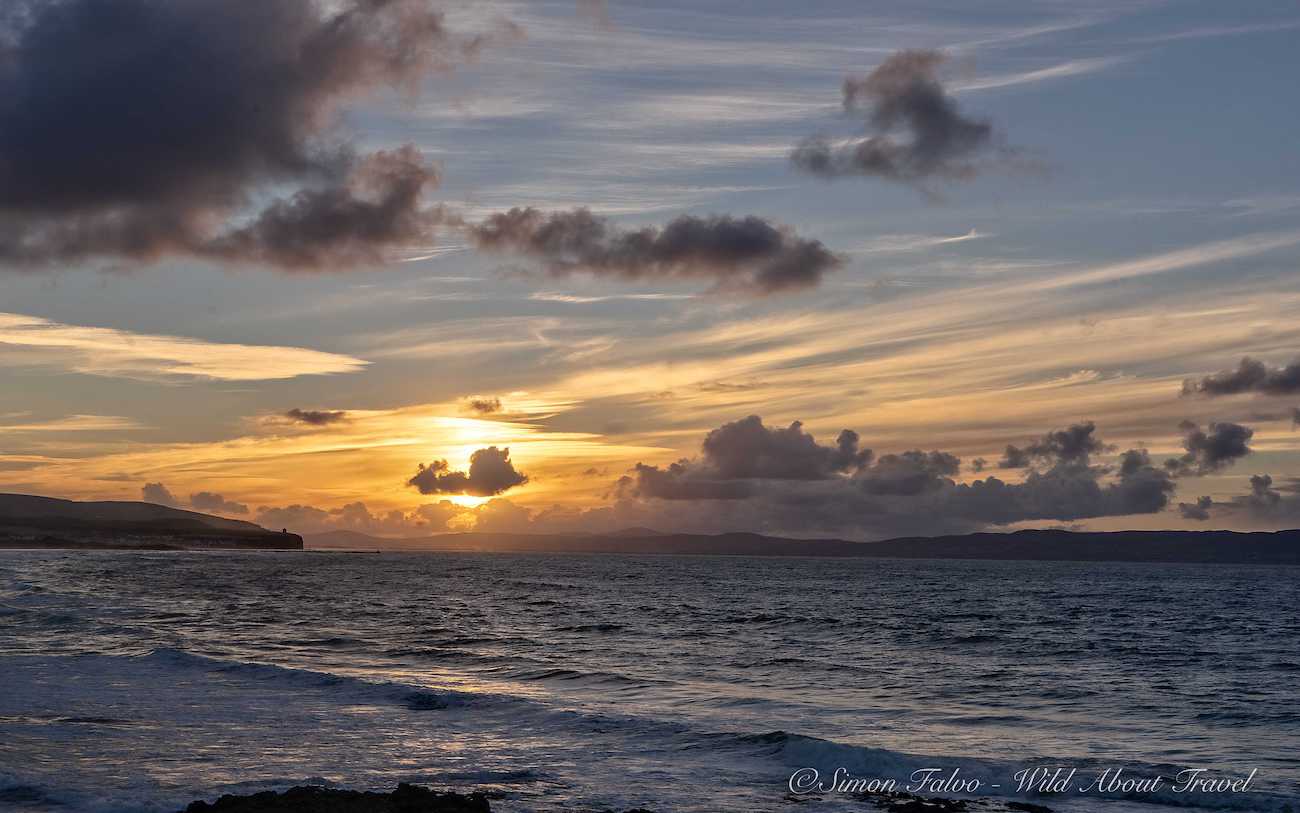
140,681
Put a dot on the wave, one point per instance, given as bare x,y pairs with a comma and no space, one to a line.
418,698
773,753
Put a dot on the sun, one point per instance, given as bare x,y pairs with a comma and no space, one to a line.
468,500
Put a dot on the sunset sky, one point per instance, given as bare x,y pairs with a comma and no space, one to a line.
1069,218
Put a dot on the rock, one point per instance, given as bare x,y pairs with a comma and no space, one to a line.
312,799
406,799
1028,807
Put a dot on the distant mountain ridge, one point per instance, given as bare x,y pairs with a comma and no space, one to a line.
27,520
1221,547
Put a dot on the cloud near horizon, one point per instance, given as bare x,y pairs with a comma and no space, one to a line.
204,501
748,254
216,503
782,481
491,472
1267,504
206,108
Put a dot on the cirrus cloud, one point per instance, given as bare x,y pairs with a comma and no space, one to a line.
33,341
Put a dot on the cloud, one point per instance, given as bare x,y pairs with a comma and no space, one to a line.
158,494
207,109
374,207
1267,504
316,417
208,501
1210,451
1061,70
1249,376
909,473
483,404
121,353
1198,511
742,254
70,423
1074,444
903,94
490,473
746,450
355,516
782,481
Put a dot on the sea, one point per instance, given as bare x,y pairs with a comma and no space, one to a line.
140,681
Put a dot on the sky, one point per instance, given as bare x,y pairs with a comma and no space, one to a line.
407,268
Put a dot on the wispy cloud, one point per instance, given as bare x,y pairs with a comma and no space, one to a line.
70,423
1203,254
1074,67
578,299
898,243
1222,31
33,341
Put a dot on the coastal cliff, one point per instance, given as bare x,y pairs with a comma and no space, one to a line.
28,521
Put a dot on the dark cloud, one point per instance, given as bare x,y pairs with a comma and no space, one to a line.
158,494
742,254
1210,451
681,481
208,501
1199,510
1074,444
1295,417
374,208
490,472
904,95
1262,494
1249,376
909,473
484,405
748,449
142,128
1267,504
780,480
316,417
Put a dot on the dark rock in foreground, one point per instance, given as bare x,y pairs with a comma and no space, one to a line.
415,799
406,799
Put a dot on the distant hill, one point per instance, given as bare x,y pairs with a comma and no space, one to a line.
28,521
1223,547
